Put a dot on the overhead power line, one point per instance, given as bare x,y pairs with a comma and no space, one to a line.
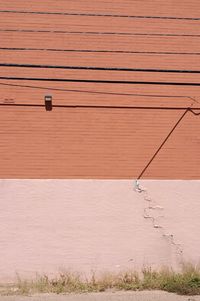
99,15
99,92
100,33
98,51
163,143
166,139
100,81
79,106
98,68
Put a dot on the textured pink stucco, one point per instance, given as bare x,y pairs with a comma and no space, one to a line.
84,225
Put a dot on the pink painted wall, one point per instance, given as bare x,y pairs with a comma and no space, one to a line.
85,225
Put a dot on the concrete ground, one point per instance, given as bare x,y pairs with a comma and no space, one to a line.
116,296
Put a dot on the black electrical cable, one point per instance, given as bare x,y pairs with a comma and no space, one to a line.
99,92
99,68
195,113
95,81
163,143
98,51
99,15
79,106
99,33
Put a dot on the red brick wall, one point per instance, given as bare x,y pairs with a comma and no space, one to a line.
99,143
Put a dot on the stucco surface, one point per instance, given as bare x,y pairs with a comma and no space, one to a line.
85,225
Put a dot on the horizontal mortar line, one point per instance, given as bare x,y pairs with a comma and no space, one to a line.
98,51
100,106
99,81
99,15
100,33
98,68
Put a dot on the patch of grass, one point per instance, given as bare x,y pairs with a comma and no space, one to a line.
186,282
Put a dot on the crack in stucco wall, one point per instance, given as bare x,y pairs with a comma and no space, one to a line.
152,206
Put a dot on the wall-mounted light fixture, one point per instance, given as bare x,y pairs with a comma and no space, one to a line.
48,102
